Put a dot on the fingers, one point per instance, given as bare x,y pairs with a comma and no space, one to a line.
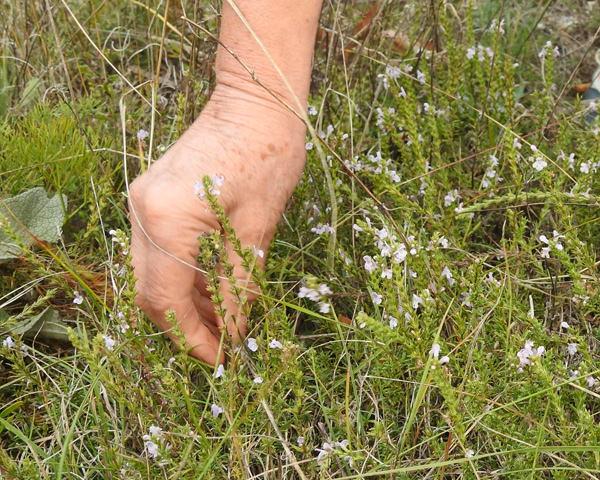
245,291
164,248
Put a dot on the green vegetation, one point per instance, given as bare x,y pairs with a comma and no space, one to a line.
405,299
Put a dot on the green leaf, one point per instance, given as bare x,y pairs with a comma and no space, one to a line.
31,215
46,325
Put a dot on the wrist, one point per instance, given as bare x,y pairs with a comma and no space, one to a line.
242,106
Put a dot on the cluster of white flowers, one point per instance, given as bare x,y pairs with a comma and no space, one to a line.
451,197
375,164
392,72
491,174
318,295
328,448
551,243
529,353
322,228
480,51
216,182
380,116
152,441
547,48
538,163
435,351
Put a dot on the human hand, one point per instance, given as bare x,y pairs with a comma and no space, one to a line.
258,149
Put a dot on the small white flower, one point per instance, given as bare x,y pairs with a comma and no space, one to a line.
447,274
386,273
564,325
400,254
155,431
370,264
309,293
151,449
435,350
451,197
469,453
216,182
517,144
324,290
216,410
416,301
312,111
109,342
545,252
324,307
585,167
258,380
275,344
572,349
322,228
443,241
539,164
77,298
445,359
471,53
376,298
251,343
300,441
393,322
528,352
8,342
219,372
591,381
534,148
420,77
324,451
258,252
142,134
309,146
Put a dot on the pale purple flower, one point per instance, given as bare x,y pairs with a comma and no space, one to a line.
376,298
251,344
275,344
109,342
142,134
216,410
77,298
219,372
435,350
370,263
8,342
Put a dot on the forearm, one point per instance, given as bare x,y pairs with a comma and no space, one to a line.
272,40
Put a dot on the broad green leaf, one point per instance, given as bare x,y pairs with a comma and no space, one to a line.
46,325
28,216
